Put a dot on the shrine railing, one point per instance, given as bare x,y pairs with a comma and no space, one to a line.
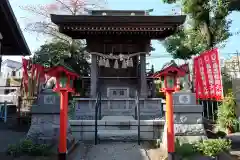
137,115
98,115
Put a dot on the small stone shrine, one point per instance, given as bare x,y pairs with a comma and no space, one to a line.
46,120
188,124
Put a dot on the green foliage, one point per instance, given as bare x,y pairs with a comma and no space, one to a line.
226,81
226,114
212,147
71,111
184,44
57,51
207,27
13,150
185,150
27,147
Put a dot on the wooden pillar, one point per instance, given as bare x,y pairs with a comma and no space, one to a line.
170,124
0,52
63,125
143,89
93,75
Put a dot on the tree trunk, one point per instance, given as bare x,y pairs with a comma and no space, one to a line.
208,35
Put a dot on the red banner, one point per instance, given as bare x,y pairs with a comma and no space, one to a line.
185,67
207,76
25,63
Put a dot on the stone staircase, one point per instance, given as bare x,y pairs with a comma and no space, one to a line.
118,129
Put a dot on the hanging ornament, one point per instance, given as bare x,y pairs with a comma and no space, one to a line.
101,62
107,65
124,64
116,64
130,62
121,57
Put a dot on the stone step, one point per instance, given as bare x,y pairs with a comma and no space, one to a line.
235,140
123,135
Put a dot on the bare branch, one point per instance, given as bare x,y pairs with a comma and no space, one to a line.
65,6
43,25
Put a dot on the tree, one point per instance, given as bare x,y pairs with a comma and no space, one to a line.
226,81
207,28
41,23
52,53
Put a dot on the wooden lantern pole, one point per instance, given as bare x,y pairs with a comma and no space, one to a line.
170,124
63,124
63,89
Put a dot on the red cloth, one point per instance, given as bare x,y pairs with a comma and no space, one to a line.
208,80
25,63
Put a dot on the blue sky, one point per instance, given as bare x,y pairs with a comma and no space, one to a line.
34,41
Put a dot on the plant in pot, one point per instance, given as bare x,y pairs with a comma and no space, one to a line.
226,114
212,147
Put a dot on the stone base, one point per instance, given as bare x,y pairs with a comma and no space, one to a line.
45,128
185,133
119,135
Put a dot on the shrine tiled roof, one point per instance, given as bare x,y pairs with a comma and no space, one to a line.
81,26
172,63
67,66
169,66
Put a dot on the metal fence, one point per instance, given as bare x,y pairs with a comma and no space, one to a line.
210,108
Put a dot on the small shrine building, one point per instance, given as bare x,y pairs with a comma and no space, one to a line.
118,42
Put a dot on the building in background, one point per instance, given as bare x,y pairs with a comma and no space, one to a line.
11,68
232,66
11,77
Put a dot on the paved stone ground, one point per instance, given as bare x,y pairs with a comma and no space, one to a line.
9,136
111,151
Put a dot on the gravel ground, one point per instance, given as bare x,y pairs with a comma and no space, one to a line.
111,151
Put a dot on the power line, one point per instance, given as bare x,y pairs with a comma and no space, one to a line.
169,55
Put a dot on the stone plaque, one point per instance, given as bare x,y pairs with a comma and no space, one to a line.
184,98
49,99
48,102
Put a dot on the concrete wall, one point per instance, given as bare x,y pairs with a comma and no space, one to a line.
85,129
149,108
132,84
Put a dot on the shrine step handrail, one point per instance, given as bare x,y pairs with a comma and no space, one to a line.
98,115
137,114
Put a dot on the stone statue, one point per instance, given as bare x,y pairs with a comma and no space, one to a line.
49,84
186,85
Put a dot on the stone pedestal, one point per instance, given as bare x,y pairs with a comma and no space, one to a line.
188,124
45,124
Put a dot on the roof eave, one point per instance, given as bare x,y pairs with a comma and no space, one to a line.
63,19
15,28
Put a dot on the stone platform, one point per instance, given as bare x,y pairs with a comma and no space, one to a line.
45,124
188,124
121,131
